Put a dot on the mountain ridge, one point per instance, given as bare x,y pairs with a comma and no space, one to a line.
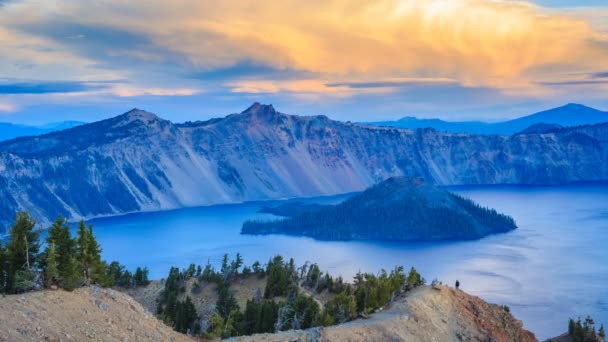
10,131
569,115
140,162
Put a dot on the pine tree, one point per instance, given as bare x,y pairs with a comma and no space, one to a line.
51,274
237,263
141,276
22,252
3,266
68,266
602,333
84,256
96,267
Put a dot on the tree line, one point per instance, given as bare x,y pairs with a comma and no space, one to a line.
66,262
584,331
285,302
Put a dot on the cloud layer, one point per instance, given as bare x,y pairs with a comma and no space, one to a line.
333,48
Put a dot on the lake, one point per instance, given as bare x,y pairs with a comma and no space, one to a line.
552,267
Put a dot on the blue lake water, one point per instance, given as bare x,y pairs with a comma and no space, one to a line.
554,266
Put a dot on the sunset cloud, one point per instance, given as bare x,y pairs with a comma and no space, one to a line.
335,47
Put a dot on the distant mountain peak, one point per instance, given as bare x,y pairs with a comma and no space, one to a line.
259,109
137,114
260,113
574,105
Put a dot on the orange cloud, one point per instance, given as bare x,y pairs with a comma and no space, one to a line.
490,43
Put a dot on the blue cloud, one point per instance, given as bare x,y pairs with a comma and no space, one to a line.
109,47
49,87
248,69
574,82
601,74
390,84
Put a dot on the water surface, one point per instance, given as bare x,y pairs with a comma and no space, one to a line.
554,266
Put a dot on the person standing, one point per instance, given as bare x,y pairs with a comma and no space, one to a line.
457,284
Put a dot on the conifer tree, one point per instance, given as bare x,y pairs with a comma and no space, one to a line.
83,250
22,252
51,273
68,267
95,266
3,266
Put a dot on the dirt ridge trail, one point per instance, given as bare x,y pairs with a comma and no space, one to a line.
425,314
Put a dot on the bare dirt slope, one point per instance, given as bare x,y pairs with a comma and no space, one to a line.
426,314
86,314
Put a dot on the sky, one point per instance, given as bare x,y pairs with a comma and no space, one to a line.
350,60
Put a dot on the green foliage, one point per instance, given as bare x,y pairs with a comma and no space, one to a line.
341,308
414,278
180,314
25,280
89,255
51,273
298,312
66,261
226,302
141,276
68,267
280,278
585,331
185,316
262,314
257,268
216,327
373,292
22,251
3,268
209,273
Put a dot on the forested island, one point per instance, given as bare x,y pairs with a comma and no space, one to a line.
398,209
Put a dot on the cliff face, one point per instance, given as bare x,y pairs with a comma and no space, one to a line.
139,162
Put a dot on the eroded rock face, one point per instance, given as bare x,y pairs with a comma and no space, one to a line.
139,162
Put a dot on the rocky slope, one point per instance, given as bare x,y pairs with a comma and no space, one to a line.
397,209
427,314
139,162
87,314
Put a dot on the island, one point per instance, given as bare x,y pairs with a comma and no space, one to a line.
397,209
